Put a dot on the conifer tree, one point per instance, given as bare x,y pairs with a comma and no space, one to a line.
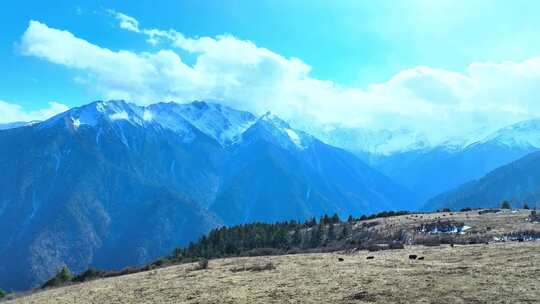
296,238
331,233
344,232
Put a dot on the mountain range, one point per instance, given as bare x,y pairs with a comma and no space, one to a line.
112,184
429,170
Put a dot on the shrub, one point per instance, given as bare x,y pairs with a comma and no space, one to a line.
505,205
90,274
202,264
534,217
2,293
62,277
466,209
526,206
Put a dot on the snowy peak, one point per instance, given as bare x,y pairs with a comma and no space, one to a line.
379,142
272,128
169,116
216,121
274,120
98,112
219,122
525,134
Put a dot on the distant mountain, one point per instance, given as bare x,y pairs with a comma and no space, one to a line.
517,182
428,168
431,171
111,184
367,142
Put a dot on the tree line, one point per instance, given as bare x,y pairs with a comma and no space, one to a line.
256,238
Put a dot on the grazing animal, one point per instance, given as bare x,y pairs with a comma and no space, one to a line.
420,258
412,256
370,257
341,259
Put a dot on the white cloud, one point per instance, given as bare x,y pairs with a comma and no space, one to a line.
240,74
10,112
126,22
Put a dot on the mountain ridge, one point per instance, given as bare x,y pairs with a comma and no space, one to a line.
112,177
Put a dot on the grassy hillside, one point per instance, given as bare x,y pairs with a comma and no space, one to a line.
495,273
501,241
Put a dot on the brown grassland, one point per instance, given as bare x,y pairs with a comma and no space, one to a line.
506,272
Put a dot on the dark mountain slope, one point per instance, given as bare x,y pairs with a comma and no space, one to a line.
433,171
81,195
277,173
517,182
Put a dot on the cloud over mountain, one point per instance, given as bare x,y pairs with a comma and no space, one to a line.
10,112
239,73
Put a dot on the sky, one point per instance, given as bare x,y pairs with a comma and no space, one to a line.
444,68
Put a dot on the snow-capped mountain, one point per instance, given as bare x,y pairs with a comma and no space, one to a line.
279,132
434,170
373,142
525,134
383,143
98,112
219,122
111,184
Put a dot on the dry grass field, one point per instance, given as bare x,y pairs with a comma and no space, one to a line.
504,221
495,273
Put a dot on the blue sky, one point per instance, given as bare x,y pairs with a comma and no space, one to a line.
367,50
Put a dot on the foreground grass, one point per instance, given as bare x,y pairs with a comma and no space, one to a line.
494,273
